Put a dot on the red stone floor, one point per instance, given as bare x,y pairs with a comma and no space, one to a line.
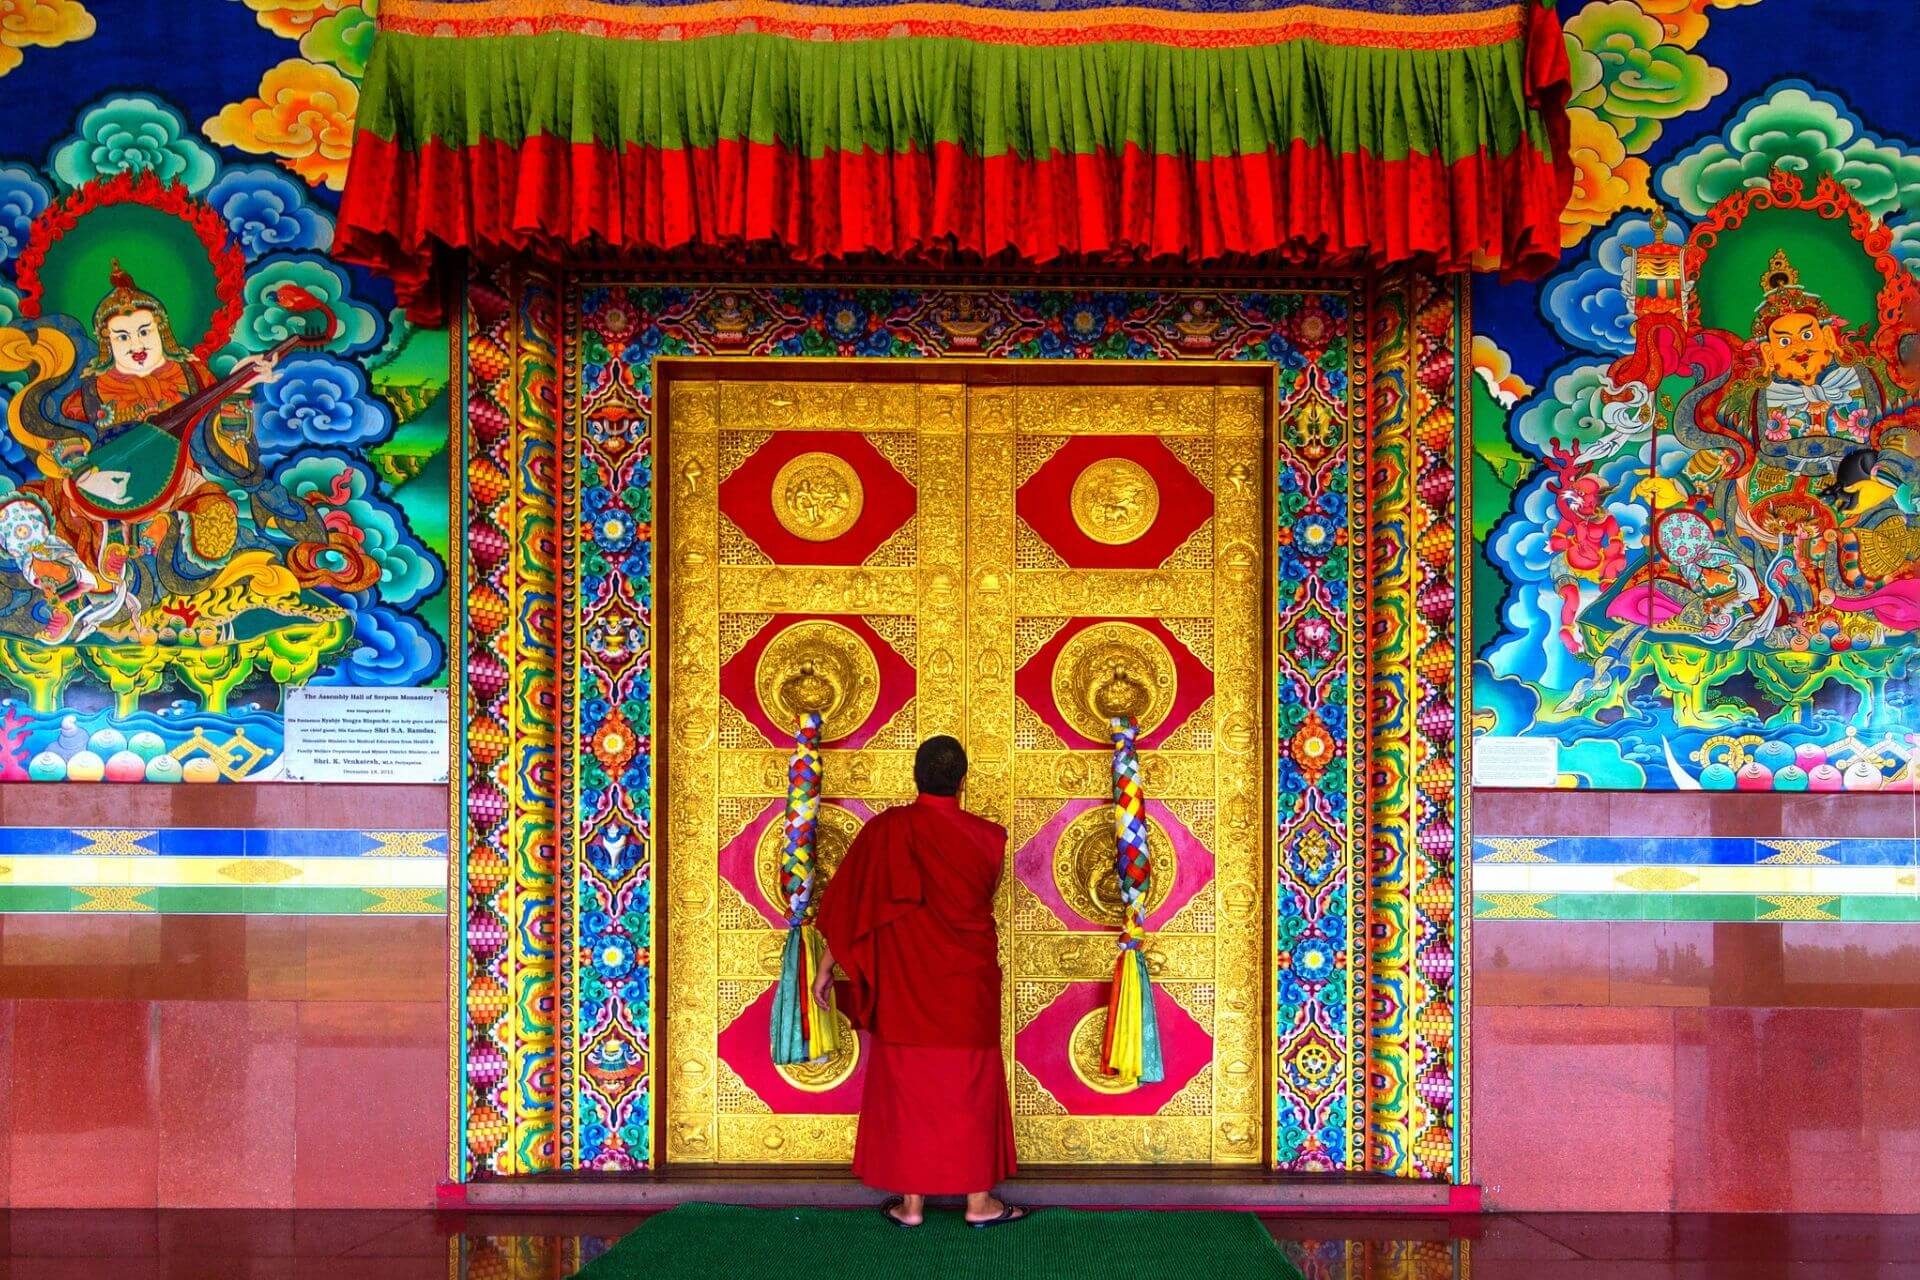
366,1245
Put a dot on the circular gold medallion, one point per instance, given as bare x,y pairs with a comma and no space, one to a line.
1111,669
833,831
1084,1054
1083,867
821,666
1114,501
817,496
830,1072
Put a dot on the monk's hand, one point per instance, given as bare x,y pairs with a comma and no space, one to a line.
823,988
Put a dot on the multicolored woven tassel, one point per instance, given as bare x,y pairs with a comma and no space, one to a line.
802,1031
1131,1049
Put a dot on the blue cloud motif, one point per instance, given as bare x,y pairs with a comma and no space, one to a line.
264,321
1586,303
132,134
389,648
23,197
267,210
1906,246
409,573
318,400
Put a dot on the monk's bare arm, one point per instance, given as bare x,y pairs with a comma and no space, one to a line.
823,980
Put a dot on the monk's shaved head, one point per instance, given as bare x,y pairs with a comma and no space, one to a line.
939,766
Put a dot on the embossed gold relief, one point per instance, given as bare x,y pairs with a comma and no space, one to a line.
817,496
1069,774
760,770
1084,1054
867,407
1142,409
1114,669
1088,957
1114,501
783,1139
820,666
1083,867
1084,592
769,588
830,1072
961,597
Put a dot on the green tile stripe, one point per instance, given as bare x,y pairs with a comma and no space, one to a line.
1705,907
267,900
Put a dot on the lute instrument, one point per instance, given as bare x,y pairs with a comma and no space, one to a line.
130,472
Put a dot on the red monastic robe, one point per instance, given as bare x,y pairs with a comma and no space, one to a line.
909,918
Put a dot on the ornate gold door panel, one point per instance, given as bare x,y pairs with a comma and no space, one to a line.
1114,545
984,560
814,534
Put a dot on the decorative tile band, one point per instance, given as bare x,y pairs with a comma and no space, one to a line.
1702,878
222,871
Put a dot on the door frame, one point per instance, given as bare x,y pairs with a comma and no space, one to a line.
1385,1036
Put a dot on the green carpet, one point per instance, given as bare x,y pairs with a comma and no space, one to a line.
718,1242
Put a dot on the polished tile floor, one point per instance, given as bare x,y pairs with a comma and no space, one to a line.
358,1245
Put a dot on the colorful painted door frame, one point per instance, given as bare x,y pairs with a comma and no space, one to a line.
553,913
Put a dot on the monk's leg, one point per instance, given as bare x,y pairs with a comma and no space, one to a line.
910,1211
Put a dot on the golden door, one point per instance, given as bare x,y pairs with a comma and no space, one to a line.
999,554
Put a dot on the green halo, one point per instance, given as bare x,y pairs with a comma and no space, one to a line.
161,251
1832,264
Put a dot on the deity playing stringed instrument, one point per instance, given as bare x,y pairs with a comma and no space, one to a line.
144,465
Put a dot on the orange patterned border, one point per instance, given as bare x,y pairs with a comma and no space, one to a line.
960,21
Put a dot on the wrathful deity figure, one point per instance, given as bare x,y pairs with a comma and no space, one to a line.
1791,526
151,487
1820,396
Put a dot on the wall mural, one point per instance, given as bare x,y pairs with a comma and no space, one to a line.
223,466
1700,561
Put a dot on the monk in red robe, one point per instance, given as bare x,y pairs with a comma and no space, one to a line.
909,918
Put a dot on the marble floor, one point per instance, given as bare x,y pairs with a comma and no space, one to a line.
360,1245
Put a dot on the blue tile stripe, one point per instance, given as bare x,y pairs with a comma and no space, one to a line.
1696,851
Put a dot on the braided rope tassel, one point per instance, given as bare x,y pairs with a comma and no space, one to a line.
1131,1047
801,1032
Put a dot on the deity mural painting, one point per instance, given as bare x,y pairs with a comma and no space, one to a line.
135,515
217,470
1713,576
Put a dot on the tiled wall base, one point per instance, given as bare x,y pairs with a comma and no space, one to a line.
222,1061
189,1017
1700,1007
